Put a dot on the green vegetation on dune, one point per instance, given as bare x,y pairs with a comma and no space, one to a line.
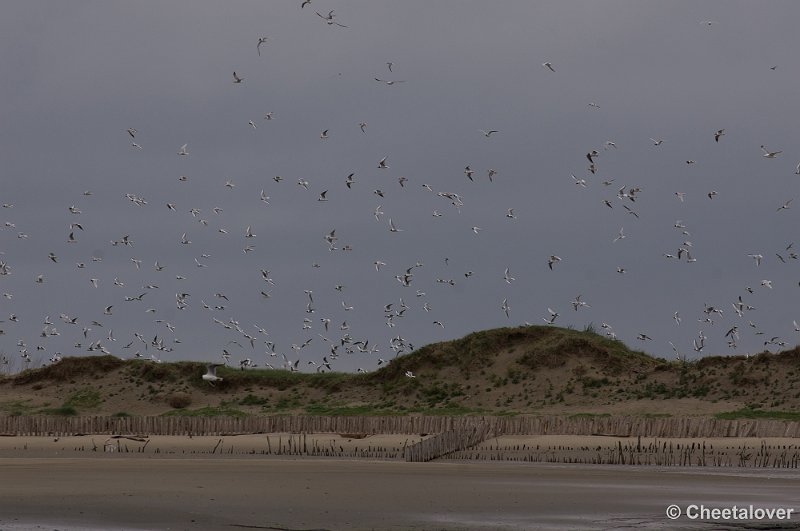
17,408
748,413
75,367
85,398
542,346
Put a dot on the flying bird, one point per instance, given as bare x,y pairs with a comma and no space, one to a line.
390,81
211,373
261,40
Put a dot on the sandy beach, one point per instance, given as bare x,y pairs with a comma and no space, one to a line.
48,485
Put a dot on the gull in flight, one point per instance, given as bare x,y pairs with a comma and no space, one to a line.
211,373
488,133
183,150
657,142
261,40
392,228
579,182
505,307
236,78
390,81
552,260
509,279
621,235
329,18
578,303
770,154
469,171
718,134
382,164
553,315
785,206
549,66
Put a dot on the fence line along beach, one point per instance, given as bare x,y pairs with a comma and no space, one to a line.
617,426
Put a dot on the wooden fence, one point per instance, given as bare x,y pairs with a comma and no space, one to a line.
445,443
529,425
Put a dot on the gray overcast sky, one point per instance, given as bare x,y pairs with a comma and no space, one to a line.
77,75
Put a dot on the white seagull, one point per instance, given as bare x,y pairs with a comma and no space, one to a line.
211,374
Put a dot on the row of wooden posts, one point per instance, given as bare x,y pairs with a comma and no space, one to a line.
443,444
619,426
466,446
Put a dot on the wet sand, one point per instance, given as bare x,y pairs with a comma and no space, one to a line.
119,492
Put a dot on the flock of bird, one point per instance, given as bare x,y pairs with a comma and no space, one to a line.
323,337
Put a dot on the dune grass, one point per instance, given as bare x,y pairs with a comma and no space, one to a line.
749,413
